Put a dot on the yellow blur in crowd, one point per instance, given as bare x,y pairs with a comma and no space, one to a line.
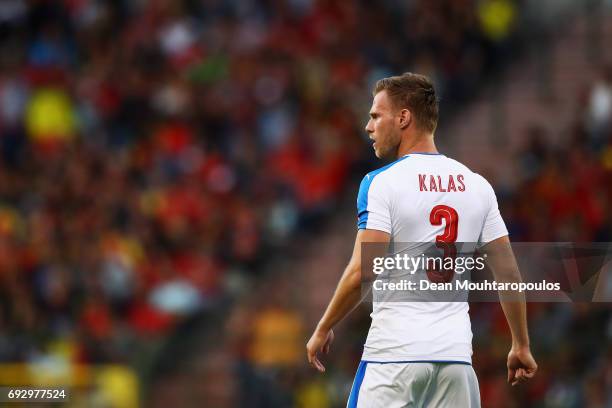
497,18
278,338
109,385
50,116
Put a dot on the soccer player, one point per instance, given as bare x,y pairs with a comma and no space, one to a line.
418,354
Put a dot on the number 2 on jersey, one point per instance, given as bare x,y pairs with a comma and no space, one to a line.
445,241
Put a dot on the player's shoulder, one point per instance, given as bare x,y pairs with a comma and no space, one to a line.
403,167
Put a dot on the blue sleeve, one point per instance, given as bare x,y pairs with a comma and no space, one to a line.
362,201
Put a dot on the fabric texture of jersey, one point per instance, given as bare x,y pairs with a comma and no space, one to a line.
399,199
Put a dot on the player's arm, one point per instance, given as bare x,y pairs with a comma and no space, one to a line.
500,258
346,297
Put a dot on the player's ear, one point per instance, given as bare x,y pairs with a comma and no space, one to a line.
405,117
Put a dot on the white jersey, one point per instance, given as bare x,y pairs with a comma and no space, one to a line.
415,199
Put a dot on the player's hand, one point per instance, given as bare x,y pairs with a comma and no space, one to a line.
319,342
521,365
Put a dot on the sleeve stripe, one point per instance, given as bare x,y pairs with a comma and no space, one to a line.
362,201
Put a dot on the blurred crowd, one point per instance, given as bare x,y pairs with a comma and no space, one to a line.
152,150
565,193
565,196
154,153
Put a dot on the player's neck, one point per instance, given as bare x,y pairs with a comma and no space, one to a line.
422,144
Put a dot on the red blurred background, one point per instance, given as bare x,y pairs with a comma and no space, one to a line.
177,186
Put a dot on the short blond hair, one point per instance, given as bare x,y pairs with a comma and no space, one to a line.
414,92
